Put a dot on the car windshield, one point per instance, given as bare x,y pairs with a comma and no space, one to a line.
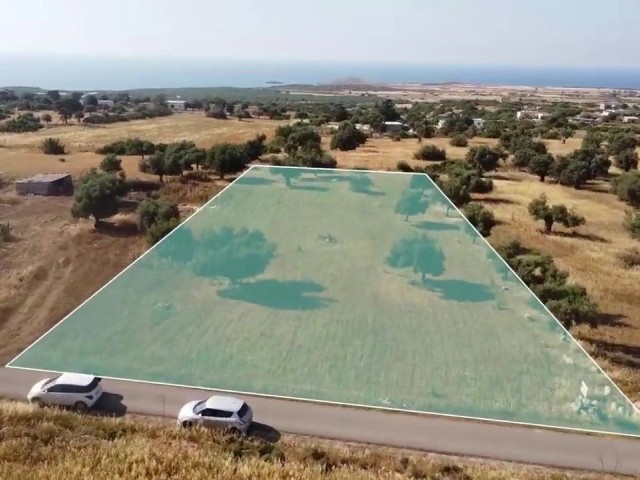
243,410
198,407
51,381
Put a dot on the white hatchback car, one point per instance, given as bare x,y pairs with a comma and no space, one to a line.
67,390
217,412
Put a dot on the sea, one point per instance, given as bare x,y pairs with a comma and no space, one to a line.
94,73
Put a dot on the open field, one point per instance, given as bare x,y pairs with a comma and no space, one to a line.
592,257
384,153
44,268
57,445
317,303
192,126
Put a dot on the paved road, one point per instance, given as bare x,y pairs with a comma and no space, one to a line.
427,433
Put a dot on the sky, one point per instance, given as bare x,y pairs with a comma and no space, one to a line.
554,33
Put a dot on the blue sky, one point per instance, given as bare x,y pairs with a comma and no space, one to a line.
491,32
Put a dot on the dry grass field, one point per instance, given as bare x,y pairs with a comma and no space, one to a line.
58,445
46,235
192,126
383,153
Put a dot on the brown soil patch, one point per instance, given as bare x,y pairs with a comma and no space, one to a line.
52,266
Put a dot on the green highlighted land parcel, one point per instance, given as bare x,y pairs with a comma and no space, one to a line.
345,286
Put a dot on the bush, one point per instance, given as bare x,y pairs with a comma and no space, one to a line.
632,224
483,158
26,122
430,152
157,218
52,146
459,141
570,303
276,145
5,232
130,146
403,166
626,160
630,258
111,164
469,177
480,217
627,188
347,137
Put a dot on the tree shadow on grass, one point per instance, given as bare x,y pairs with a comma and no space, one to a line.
618,353
122,229
582,236
254,181
436,226
310,188
457,290
358,182
497,201
279,294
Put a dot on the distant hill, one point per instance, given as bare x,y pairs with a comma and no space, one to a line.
258,95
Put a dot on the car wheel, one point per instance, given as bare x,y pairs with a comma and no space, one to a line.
80,407
187,424
37,402
235,431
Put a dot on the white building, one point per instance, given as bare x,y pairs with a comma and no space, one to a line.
364,128
478,123
531,115
105,103
609,106
177,105
630,119
391,127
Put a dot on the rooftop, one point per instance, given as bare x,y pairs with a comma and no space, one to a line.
74,379
44,178
219,402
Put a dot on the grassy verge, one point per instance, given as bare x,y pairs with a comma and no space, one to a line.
50,444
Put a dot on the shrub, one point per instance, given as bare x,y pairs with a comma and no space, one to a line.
430,152
630,258
130,146
469,177
632,224
53,146
397,136
157,218
626,160
255,148
276,145
403,166
570,303
483,158
627,188
5,232
480,217
26,122
459,141
111,164
347,137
